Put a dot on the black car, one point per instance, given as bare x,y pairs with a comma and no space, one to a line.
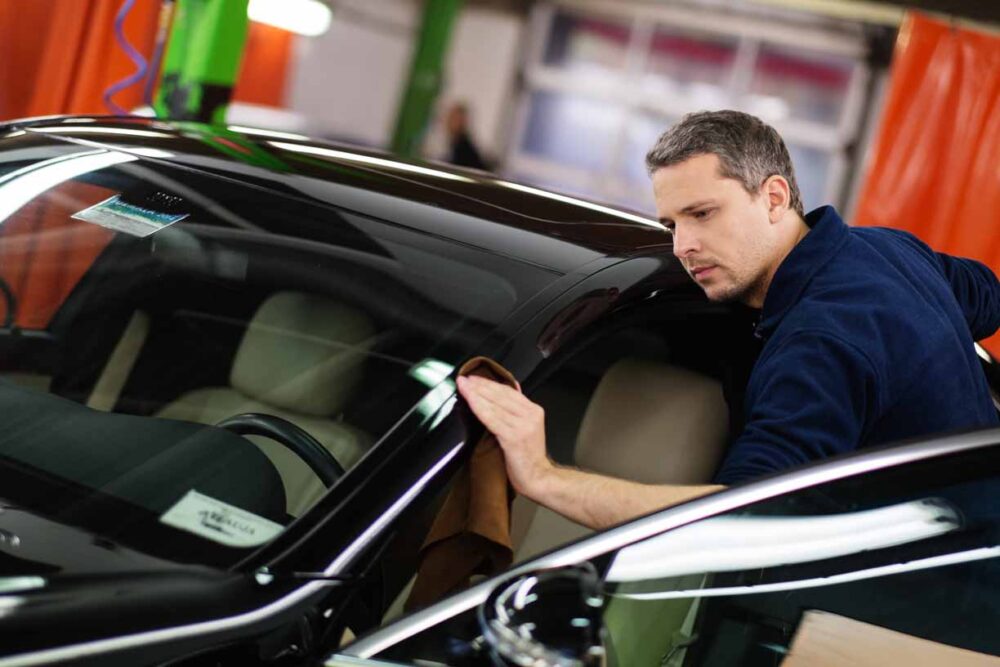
227,379
886,557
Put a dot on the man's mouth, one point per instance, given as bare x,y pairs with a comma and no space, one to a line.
700,272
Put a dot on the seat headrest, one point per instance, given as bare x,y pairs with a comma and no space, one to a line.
655,423
303,353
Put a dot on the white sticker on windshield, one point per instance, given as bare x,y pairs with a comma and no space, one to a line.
219,521
122,216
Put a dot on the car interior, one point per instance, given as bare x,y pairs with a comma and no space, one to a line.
200,322
639,397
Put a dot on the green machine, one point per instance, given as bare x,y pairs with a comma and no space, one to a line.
202,59
205,48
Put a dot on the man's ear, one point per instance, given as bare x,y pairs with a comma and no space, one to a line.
778,196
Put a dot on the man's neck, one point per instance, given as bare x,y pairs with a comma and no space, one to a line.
796,230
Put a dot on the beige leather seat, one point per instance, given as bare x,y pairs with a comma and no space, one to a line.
301,358
648,422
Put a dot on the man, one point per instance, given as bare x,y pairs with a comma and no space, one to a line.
867,333
462,151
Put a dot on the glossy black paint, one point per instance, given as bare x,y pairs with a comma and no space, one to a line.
292,597
583,270
523,222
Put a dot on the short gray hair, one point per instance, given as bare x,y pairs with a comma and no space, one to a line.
749,150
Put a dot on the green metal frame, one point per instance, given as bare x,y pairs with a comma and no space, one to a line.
425,75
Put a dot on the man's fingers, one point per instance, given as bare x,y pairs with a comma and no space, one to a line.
494,417
505,397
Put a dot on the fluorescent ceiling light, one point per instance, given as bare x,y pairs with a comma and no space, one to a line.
580,202
21,186
729,544
305,17
367,159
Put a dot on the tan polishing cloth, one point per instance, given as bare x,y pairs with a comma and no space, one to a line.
471,532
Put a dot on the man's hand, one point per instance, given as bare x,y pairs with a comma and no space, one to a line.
519,426
591,500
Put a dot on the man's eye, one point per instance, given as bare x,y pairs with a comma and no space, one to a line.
701,215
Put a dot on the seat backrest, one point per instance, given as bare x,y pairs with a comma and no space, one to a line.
303,353
301,358
647,421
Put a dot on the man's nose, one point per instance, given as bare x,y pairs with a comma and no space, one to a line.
685,242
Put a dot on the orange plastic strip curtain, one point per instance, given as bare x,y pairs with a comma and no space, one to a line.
44,253
936,163
264,72
58,57
77,56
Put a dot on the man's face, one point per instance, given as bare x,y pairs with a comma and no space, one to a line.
722,234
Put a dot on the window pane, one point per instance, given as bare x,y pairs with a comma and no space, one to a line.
799,84
572,130
811,168
580,43
641,134
158,302
695,66
891,550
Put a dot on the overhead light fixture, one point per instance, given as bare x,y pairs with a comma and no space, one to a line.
305,17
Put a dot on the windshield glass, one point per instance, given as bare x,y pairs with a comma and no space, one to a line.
145,305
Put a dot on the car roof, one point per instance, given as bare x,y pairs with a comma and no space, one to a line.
294,165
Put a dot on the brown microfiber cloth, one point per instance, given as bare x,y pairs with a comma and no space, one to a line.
471,532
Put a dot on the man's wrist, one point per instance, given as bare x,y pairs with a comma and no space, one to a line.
545,482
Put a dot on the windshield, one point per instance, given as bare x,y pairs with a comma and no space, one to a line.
145,305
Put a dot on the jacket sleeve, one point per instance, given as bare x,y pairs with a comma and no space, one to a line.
815,397
978,293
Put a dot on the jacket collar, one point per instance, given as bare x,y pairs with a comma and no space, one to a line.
827,233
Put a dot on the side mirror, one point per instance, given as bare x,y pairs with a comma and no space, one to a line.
548,617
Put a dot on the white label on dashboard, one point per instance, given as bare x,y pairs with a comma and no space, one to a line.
220,522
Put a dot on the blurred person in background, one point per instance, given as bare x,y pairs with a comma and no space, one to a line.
462,150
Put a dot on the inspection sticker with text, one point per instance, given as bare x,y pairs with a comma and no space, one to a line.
121,216
219,521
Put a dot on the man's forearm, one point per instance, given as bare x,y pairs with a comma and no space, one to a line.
597,501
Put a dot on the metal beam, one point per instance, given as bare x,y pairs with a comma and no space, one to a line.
425,75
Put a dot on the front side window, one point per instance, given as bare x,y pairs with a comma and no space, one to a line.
882,565
881,556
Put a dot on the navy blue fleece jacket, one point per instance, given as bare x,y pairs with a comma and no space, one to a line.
868,338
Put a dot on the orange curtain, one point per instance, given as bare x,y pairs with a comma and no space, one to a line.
65,54
936,163
264,72
44,253
58,57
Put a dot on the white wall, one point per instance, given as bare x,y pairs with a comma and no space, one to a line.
481,71
348,82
